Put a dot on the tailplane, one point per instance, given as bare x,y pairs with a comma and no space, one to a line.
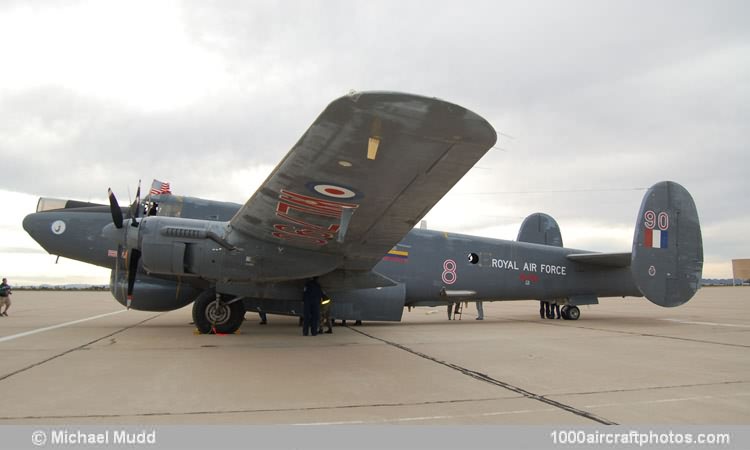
667,257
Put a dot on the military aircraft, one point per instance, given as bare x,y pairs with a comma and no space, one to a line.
342,206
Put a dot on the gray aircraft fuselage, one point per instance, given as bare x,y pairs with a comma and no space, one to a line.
504,270
430,268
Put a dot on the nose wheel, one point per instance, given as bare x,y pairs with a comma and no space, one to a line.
217,313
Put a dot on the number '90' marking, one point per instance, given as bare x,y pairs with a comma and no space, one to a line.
651,220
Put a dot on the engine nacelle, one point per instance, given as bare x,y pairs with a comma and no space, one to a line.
152,294
169,245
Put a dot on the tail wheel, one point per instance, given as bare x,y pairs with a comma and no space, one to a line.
573,313
217,313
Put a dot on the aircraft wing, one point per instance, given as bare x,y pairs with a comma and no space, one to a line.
365,172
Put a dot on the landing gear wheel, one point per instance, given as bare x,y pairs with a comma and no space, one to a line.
216,313
564,312
573,313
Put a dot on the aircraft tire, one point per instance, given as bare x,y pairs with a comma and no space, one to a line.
210,314
564,312
574,313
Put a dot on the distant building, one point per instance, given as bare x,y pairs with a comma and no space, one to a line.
741,269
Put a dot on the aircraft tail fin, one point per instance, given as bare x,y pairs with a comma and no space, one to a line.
667,257
540,228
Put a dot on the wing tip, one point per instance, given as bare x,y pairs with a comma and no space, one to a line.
478,130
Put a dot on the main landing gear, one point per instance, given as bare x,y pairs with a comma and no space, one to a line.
569,312
218,313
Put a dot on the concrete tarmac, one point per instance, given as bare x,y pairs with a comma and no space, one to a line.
80,358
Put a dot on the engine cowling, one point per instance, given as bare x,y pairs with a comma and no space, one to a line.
191,247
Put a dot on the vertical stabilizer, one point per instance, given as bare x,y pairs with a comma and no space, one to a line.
539,228
667,258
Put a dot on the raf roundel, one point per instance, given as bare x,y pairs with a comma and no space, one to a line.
330,190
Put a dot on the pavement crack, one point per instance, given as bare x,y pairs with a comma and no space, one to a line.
80,347
653,388
487,379
250,410
633,333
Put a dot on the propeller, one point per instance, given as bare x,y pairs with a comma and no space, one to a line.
127,240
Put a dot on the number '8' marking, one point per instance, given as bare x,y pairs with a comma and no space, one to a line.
449,271
651,220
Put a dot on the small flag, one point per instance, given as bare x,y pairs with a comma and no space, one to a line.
656,238
159,187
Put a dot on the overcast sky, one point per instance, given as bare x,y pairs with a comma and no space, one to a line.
601,99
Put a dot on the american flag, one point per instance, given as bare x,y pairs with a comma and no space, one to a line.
159,187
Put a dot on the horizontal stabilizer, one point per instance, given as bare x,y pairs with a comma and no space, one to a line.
602,259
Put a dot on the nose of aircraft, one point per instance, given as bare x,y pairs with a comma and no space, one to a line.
48,229
34,225
73,233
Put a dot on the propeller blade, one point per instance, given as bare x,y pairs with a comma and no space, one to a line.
114,207
134,255
135,208
120,272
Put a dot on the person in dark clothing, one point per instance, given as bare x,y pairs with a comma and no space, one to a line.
542,308
311,302
556,308
549,313
5,292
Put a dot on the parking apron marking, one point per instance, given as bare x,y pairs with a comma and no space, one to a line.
54,327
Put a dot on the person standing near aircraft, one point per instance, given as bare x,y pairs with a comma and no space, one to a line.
452,310
311,302
542,309
480,311
263,318
556,309
4,297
